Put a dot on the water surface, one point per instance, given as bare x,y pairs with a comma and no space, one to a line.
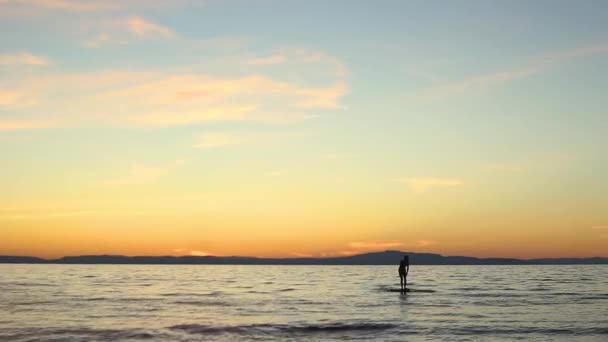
326,303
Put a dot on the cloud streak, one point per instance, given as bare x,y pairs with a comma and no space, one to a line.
155,99
24,125
66,5
270,60
219,139
84,6
420,185
143,174
375,245
22,58
441,91
144,28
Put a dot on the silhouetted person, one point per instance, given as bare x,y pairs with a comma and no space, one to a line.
404,268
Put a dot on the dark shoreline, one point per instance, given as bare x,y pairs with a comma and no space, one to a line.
377,258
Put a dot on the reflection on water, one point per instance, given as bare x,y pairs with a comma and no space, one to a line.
226,302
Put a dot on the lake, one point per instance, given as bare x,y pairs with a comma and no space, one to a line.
282,303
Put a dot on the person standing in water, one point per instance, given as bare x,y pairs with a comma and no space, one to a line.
404,268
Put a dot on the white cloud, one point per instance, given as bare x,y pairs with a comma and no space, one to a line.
426,183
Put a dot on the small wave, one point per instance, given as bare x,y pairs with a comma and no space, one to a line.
494,295
522,331
594,297
29,284
40,302
468,289
186,294
95,299
282,328
202,302
287,289
80,334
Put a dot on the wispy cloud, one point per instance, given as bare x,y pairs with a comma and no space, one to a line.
43,215
123,31
423,184
599,227
24,125
359,247
270,60
425,243
375,245
301,58
67,5
155,99
302,255
103,39
276,173
190,252
83,6
334,156
443,90
505,167
212,114
22,58
219,139
8,97
143,174
322,97
311,56
142,27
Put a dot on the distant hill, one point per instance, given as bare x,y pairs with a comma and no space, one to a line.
376,258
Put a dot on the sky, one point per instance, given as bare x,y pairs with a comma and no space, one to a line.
303,128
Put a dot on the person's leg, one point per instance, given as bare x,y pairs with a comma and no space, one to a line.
405,281
401,280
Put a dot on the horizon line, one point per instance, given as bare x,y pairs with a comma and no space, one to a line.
296,257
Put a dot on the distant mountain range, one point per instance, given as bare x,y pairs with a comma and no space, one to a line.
376,258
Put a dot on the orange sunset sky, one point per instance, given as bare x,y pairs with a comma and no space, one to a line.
303,128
